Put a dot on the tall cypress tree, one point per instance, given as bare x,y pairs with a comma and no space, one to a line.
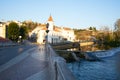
13,31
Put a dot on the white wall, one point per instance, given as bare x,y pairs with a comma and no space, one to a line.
51,24
3,30
41,36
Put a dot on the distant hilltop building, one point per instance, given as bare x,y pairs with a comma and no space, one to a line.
55,35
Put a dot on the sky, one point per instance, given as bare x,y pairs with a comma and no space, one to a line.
79,14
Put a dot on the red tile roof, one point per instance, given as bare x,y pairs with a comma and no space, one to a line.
50,18
57,29
43,28
65,28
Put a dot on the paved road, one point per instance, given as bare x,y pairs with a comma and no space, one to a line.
31,64
7,53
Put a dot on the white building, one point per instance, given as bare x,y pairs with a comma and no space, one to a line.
2,29
55,34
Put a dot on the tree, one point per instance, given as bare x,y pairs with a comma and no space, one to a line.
23,31
107,37
117,30
94,29
13,31
117,25
31,25
90,28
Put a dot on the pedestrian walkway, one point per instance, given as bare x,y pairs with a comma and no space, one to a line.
30,65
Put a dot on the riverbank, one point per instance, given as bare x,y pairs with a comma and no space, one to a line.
66,51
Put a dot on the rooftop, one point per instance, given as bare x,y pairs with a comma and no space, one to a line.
50,18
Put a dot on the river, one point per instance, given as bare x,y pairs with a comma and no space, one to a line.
106,69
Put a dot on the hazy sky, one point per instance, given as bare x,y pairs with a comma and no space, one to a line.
70,13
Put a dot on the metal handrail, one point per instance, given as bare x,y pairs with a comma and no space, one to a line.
59,70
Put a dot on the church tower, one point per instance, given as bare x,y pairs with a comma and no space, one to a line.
50,23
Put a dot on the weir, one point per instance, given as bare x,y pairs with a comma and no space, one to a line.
107,53
101,54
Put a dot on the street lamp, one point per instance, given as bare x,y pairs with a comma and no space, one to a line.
20,37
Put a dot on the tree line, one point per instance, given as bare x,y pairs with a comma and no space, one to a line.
111,37
105,36
17,32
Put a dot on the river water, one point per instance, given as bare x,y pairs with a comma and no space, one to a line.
106,69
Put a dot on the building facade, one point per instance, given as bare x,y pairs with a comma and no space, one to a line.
55,34
2,29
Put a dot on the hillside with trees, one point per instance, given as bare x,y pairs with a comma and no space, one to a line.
104,36
85,34
30,25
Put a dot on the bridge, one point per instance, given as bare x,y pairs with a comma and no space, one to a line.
38,63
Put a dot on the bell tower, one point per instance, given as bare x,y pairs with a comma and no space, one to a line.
50,23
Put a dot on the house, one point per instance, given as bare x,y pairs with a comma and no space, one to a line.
2,29
55,34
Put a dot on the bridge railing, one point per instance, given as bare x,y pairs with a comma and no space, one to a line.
58,67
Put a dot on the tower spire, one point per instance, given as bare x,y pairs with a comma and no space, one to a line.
50,18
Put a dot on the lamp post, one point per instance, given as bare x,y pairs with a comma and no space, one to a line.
47,26
46,43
